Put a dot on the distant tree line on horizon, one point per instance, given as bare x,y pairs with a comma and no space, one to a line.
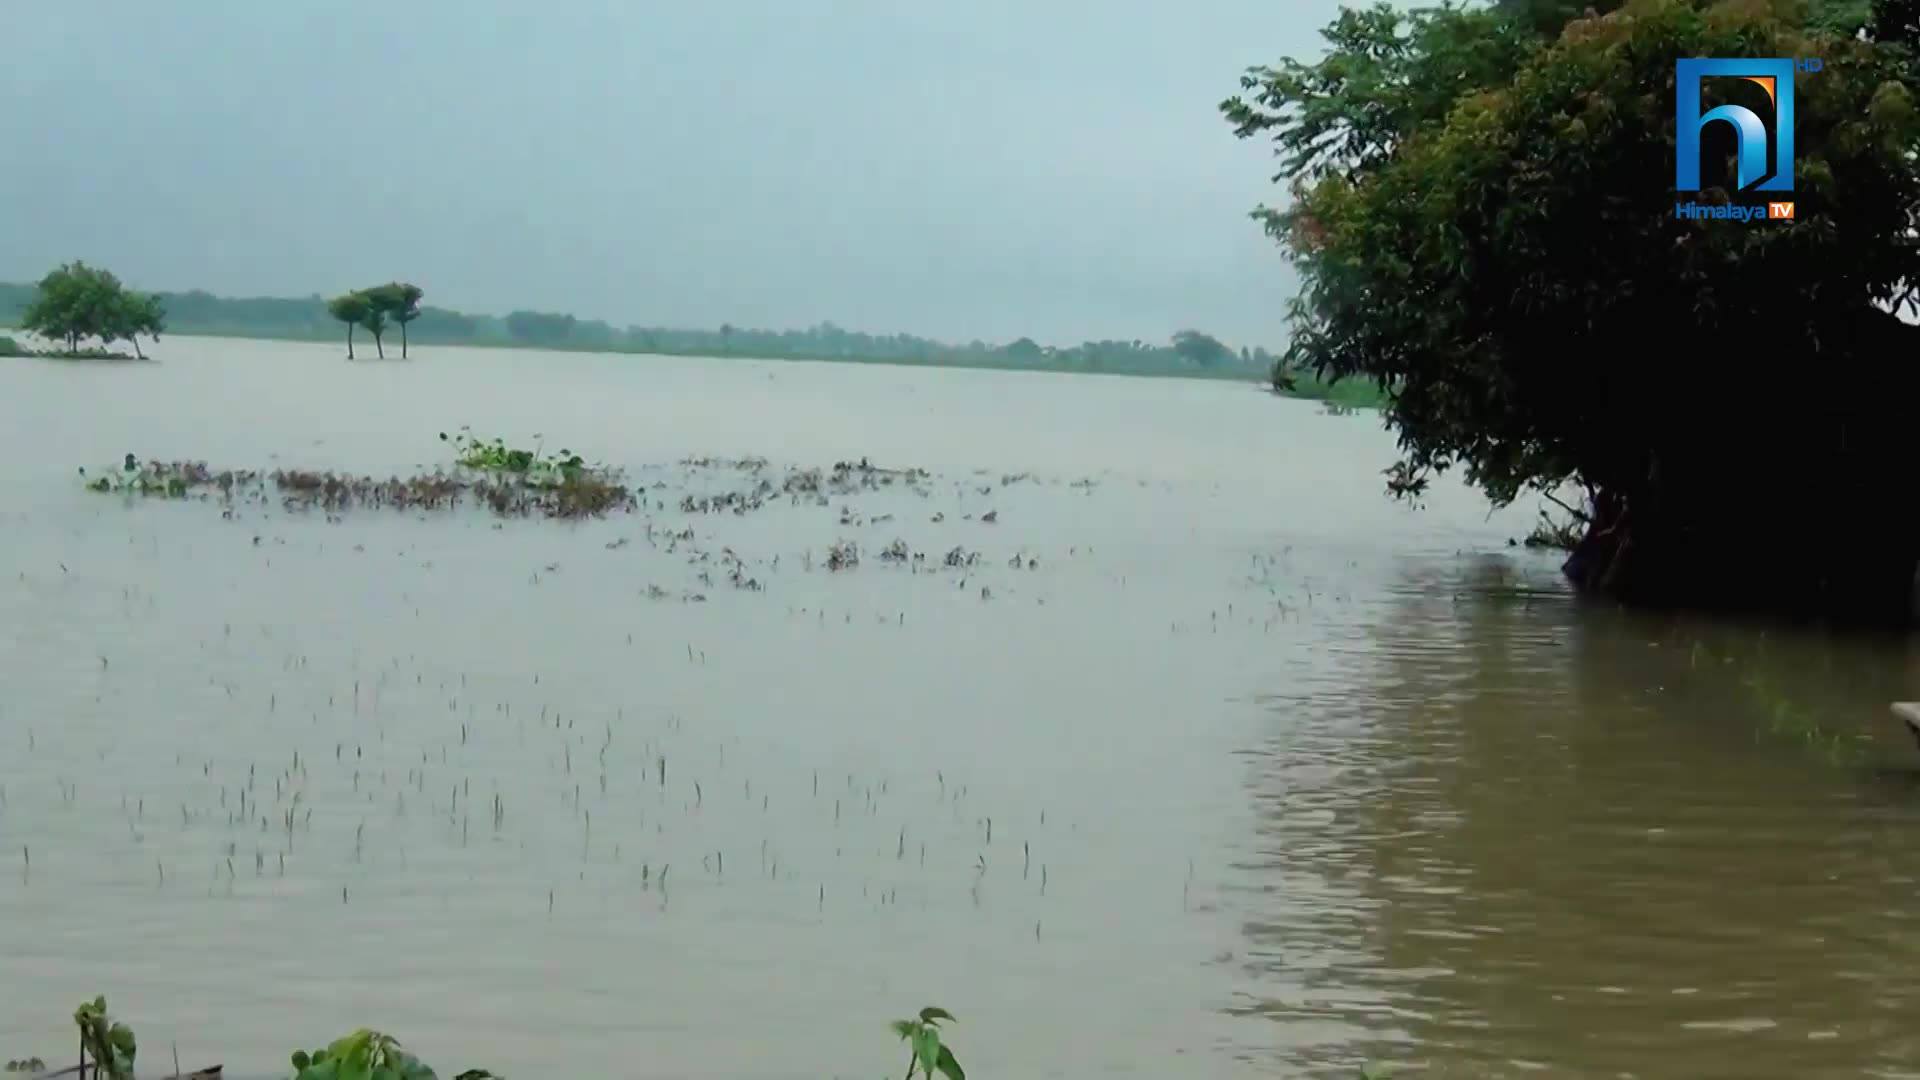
315,318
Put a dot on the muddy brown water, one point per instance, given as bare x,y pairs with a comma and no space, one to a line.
1281,777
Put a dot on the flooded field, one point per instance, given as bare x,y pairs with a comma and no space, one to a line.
1125,718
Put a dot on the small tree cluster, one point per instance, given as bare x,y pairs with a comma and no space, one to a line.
376,308
77,302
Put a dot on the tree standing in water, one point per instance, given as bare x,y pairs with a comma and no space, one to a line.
350,308
75,302
398,301
1486,225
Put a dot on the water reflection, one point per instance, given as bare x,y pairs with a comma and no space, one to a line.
1518,832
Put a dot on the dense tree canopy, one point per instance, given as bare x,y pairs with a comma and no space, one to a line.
1483,212
77,302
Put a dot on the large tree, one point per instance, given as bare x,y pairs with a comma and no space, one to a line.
1483,213
75,302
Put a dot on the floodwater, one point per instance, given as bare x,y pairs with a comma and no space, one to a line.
1242,770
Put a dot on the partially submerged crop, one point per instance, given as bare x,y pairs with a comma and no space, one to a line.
930,1051
167,480
363,1055
110,1045
559,489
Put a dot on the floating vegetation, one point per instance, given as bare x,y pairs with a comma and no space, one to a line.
509,484
25,1065
173,480
497,456
745,464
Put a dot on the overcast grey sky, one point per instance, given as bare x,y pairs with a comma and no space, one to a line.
959,168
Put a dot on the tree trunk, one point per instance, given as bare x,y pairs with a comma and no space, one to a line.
378,348
1847,559
403,341
349,341
138,355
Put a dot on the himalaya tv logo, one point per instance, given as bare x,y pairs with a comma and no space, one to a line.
1762,140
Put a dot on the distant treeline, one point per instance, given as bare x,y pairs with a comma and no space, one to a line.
1190,352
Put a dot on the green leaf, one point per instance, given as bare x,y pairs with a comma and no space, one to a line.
348,1047
926,1048
933,1012
949,1065
905,1028
301,1060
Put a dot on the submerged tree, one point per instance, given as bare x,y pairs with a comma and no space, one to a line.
351,308
131,315
375,321
75,302
1484,218
397,301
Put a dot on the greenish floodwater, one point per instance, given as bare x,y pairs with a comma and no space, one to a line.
1280,776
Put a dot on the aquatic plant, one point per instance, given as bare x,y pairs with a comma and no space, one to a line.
26,1065
156,478
110,1045
497,456
363,1055
930,1051
562,492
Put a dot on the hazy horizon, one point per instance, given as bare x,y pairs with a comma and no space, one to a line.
993,172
